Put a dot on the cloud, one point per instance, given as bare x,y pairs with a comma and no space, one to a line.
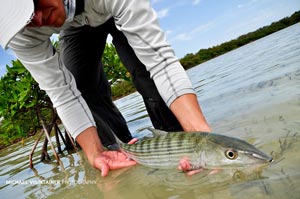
183,37
162,13
196,2
190,35
203,28
156,1
168,32
252,23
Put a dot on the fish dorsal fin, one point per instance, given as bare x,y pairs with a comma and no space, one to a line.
157,132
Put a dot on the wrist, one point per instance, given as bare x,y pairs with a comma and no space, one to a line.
90,143
189,114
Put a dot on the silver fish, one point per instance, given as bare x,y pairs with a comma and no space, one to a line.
202,150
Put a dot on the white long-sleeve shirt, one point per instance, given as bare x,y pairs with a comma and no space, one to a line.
138,22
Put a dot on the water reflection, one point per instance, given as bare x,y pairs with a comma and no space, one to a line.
147,183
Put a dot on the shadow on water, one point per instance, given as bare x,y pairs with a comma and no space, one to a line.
252,93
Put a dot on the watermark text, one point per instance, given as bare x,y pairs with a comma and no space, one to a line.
54,182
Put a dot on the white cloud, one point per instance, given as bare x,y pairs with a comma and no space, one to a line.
162,13
156,1
203,28
194,32
183,37
168,32
251,24
196,2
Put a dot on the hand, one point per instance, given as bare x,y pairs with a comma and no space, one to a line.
185,166
111,160
98,158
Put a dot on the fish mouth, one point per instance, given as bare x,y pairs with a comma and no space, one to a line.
262,156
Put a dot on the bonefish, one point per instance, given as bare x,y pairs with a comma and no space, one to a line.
202,150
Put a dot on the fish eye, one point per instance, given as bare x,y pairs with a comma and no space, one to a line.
231,154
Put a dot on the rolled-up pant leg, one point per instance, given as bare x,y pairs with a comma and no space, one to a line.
81,51
160,115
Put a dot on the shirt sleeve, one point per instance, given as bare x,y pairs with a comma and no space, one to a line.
34,49
139,23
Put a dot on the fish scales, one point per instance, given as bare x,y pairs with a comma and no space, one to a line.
207,150
163,144
162,151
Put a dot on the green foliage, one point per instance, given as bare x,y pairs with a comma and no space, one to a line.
121,88
19,98
113,66
203,55
117,74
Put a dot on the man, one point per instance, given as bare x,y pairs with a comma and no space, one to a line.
28,36
81,49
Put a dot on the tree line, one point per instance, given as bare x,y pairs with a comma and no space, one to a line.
191,60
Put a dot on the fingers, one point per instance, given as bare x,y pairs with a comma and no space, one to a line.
133,141
184,164
104,170
100,163
112,160
119,160
122,164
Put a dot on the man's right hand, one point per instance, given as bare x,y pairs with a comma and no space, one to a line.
97,156
111,160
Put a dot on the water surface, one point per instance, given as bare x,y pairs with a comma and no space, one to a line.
252,93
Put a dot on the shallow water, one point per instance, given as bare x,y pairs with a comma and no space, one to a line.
252,93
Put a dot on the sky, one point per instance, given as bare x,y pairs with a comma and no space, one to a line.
191,25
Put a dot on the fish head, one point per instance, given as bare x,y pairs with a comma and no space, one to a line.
227,152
